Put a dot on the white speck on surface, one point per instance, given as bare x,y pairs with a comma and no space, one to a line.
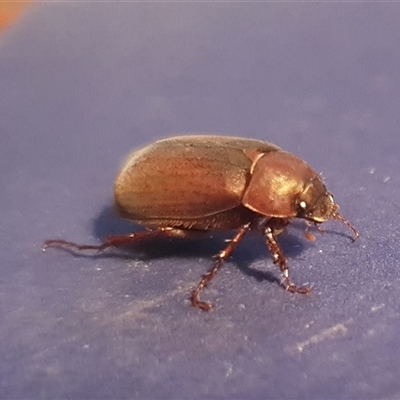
229,370
377,308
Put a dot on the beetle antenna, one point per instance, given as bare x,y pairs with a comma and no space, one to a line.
344,220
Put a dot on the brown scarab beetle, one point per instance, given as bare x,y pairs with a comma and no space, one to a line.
180,186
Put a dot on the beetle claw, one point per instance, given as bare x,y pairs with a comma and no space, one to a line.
204,306
292,288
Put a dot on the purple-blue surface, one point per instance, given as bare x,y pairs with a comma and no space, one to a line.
82,85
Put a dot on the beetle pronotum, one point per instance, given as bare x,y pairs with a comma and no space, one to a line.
180,186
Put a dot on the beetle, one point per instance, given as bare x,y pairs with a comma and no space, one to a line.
184,185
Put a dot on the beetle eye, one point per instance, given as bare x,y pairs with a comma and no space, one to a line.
302,209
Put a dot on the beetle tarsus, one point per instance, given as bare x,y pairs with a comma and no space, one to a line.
71,245
111,241
116,240
221,257
292,288
279,258
205,279
204,306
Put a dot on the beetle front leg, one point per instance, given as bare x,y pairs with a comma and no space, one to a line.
279,258
221,257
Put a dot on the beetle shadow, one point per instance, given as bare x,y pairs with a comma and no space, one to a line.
252,248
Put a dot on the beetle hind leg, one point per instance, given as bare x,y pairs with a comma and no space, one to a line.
220,258
279,258
119,240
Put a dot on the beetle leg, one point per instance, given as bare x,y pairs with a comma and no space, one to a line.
279,258
221,257
117,240
309,236
318,228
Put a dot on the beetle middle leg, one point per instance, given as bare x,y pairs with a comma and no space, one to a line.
221,257
279,257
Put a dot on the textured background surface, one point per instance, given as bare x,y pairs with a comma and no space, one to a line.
83,84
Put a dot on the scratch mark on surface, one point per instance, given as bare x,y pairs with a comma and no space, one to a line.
330,333
138,309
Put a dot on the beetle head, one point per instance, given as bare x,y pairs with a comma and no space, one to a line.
316,204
